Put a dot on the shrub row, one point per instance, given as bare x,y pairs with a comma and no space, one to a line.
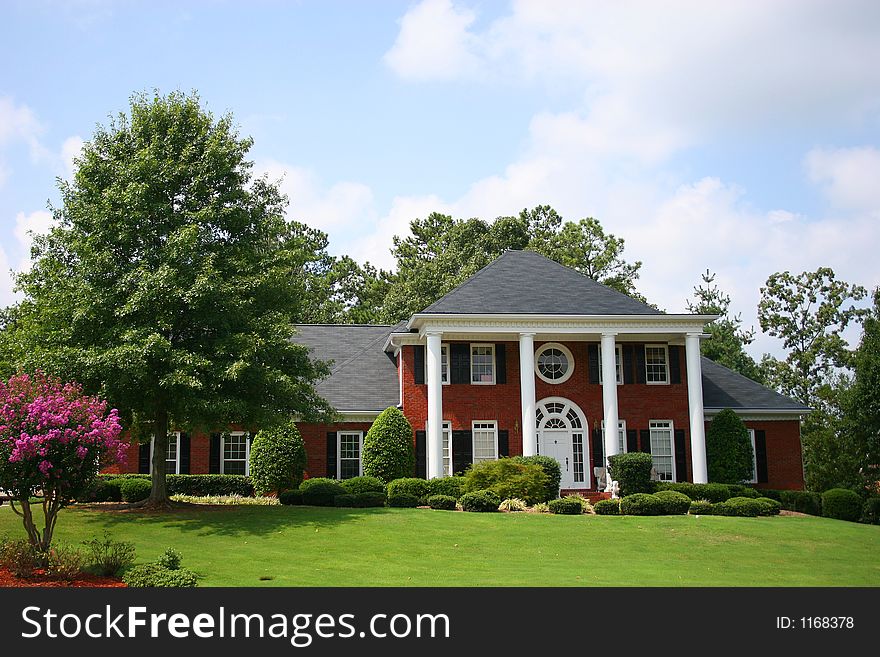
483,501
747,507
360,500
199,485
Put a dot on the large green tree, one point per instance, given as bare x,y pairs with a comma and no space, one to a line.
727,338
172,281
442,252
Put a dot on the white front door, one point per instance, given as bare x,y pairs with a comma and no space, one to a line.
557,444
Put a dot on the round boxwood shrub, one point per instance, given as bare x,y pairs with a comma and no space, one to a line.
388,447
442,502
364,484
107,491
729,455
701,508
641,504
801,501
291,497
320,491
451,486
746,507
710,492
344,500
418,488
871,511
403,500
771,507
508,478
135,490
551,468
841,504
568,506
278,458
632,470
674,503
607,508
484,501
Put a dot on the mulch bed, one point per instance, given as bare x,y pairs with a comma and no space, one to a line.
40,579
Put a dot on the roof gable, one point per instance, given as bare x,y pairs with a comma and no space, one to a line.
724,388
525,282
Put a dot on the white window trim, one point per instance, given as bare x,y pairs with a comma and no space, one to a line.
621,427
444,351
566,351
665,348
176,436
247,451
474,423
348,432
671,443
754,479
444,432
494,364
618,349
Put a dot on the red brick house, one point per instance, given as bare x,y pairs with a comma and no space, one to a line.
526,357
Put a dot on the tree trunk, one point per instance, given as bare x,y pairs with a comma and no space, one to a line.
159,492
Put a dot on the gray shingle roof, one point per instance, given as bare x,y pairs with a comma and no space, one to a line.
724,388
362,376
528,283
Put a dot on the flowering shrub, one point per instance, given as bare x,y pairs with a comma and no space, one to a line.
53,441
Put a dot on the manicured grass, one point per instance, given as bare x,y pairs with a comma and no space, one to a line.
305,546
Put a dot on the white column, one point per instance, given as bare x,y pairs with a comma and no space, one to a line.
527,393
435,406
609,395
695,406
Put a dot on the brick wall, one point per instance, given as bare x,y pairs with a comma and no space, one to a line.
315,439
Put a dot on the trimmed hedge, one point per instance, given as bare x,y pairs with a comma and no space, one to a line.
710,492
739,490
417,488
277,459
388,446
741,506
451,486
607,508
841,504
641,504
291,497
199,485
321,491
106,491
508,478
135,490
442,502
801,501
701,508
482,501
632,470
551,468
674,503
772,507
568,506
357,485
360,500
403,500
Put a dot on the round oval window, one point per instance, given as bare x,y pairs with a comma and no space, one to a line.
554,363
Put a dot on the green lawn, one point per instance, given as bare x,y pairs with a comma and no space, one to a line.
304,546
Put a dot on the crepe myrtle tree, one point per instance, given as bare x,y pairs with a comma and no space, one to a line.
53,441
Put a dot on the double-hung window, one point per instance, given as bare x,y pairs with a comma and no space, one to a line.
444,363
621,436
618,363
349,454
485,440
656,364
483,364
447,448
754,479
662,446
172,455
235,453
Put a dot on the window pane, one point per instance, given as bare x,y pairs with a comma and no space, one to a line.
235,447
447,449
553,364
349,455
655,364
661,449
618,365
483,364
484,442
234,467
444,363
348,469
577,449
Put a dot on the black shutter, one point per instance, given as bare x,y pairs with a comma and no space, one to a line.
761,455
598,449
503,443
460,355
674,364
462,451
593,362
421,454
500,363
183,446
214,456
627,363
144,458
632,440
249,439
419,363
681,467
645,442
640,362
331,455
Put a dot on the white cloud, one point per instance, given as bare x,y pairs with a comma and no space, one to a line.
26,226
850,177
70,150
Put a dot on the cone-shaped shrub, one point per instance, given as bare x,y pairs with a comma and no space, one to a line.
388,447
278,458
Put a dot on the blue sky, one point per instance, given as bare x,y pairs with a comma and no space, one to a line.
740,137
